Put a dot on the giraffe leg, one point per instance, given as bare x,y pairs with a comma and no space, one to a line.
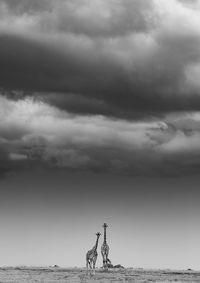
104,261
93,270
94,262
90,264
103,258
86,262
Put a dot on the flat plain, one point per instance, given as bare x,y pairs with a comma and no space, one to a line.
77,275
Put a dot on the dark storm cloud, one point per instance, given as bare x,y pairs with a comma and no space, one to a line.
35,67
131,58
76,103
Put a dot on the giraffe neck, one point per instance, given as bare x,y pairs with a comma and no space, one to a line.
96,245
104,234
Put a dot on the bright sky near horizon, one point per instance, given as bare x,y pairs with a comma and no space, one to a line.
50,218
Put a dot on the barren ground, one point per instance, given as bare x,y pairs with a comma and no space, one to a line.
76,275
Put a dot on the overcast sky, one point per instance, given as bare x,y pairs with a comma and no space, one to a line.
100,121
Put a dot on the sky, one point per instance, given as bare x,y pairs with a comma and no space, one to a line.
100,122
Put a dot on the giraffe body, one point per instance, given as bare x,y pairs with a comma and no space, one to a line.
91,256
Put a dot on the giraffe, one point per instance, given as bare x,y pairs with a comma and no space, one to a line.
91,256
105,249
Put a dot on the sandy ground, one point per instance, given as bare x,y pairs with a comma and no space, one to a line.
75,275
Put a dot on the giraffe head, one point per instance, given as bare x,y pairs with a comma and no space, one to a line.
105,225
98,234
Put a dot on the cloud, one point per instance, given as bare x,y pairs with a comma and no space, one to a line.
190,2
92,18
99,18
45,137
20,7
100,85
130,56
